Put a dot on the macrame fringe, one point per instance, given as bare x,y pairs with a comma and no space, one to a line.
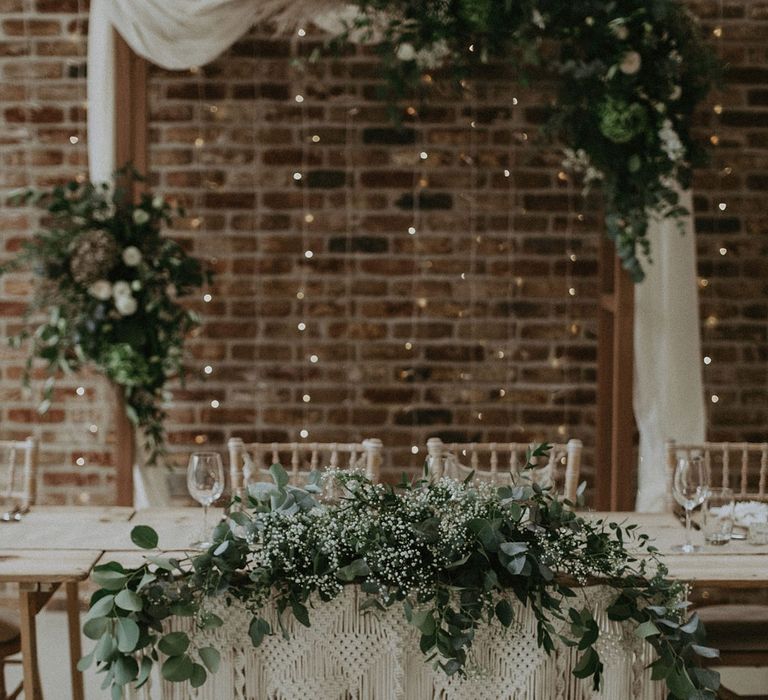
349,655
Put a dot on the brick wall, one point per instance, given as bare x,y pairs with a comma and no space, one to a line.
480,325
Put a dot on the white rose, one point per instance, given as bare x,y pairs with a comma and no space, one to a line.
406,52
630,63
158,202
136,285
132,256
101,290
121,289
140,217
538,19
126,305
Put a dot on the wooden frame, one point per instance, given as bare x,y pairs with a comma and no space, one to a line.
615,459
131,148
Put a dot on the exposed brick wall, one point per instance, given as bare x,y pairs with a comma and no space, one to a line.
487,272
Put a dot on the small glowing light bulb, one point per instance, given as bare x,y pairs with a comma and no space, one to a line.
80,461
423,155
723,251
308,254
707,360
412,230
299,294
409,346
297,176
314,359
315,138
304,433
199,142
715,398
93,428
208,369
74,140
572,291
722,206
80,391
414,450
207,298
506,172
299,98
306,398
309,218
301,31
215,404
302,326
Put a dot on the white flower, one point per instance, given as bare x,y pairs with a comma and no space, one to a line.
630,63
589,21
538,19
670,141
676,93
136,285
132,256
140,217
126,305
158,202
406,52
101,290
434,56
121,289
171,290
620,31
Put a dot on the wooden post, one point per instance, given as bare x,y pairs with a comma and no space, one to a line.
131,147
615,459
125,452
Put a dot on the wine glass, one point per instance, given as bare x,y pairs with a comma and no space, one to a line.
205,481
690,487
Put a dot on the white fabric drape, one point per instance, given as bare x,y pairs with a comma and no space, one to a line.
181,34
668,394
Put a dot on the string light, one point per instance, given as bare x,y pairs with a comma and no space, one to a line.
409,346
80,461
301,326
306,398
215,403
199,142
722,206
207,298
208,369
309,218
315,138
297,176
715,398
707,360
304,433
414,450
412,230
74,140
93,428
723,251
80,391
308,254
301,32
423,155
314,359
299,98
200,439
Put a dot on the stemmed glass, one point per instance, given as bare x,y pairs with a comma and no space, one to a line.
690,488
205,481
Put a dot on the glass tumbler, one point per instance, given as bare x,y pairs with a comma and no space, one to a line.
718,516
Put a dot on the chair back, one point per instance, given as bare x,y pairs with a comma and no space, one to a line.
18,471
499,462
250,462
741,466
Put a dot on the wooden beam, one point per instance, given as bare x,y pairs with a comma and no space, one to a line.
615,460
131,148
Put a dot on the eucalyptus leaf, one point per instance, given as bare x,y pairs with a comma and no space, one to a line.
210,657
177,668
144,536
174,643
129,600
127,633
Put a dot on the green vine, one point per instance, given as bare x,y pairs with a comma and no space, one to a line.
452,555
629,74
107,290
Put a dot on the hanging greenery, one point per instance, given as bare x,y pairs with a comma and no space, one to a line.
452,556
107,290
630,74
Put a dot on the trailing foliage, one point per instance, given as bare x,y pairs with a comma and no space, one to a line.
107,285
451,555
629,76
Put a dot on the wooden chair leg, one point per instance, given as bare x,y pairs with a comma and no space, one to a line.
3,691
75,648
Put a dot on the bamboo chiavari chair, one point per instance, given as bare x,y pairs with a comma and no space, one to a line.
251,461
18,464
497,461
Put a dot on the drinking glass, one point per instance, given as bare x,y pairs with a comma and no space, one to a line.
205,481
718,516
689,487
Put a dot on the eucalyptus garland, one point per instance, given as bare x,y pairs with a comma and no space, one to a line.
629,74
107,294
451,555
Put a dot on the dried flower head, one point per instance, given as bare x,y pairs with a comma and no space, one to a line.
94,253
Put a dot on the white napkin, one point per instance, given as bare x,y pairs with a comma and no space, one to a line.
747,512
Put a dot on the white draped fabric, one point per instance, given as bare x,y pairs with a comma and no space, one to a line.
181,34
669,394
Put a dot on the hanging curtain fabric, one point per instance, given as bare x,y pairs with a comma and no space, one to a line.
172,34
668,391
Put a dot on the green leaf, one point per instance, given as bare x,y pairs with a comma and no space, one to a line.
587,664
105,647
127,632
146,579
161,563
647,629
128,600
144,536
211,621
211,658
109,580
174,643
706,652
177,668
300,612
145,668
504,612
198,676
96,626
126,669
85,663
513,548
357,568
279,475
424,621
258,629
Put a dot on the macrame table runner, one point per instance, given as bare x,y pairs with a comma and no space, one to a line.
349,655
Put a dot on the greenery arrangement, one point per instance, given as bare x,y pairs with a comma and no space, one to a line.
631,73
107,294
451,554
